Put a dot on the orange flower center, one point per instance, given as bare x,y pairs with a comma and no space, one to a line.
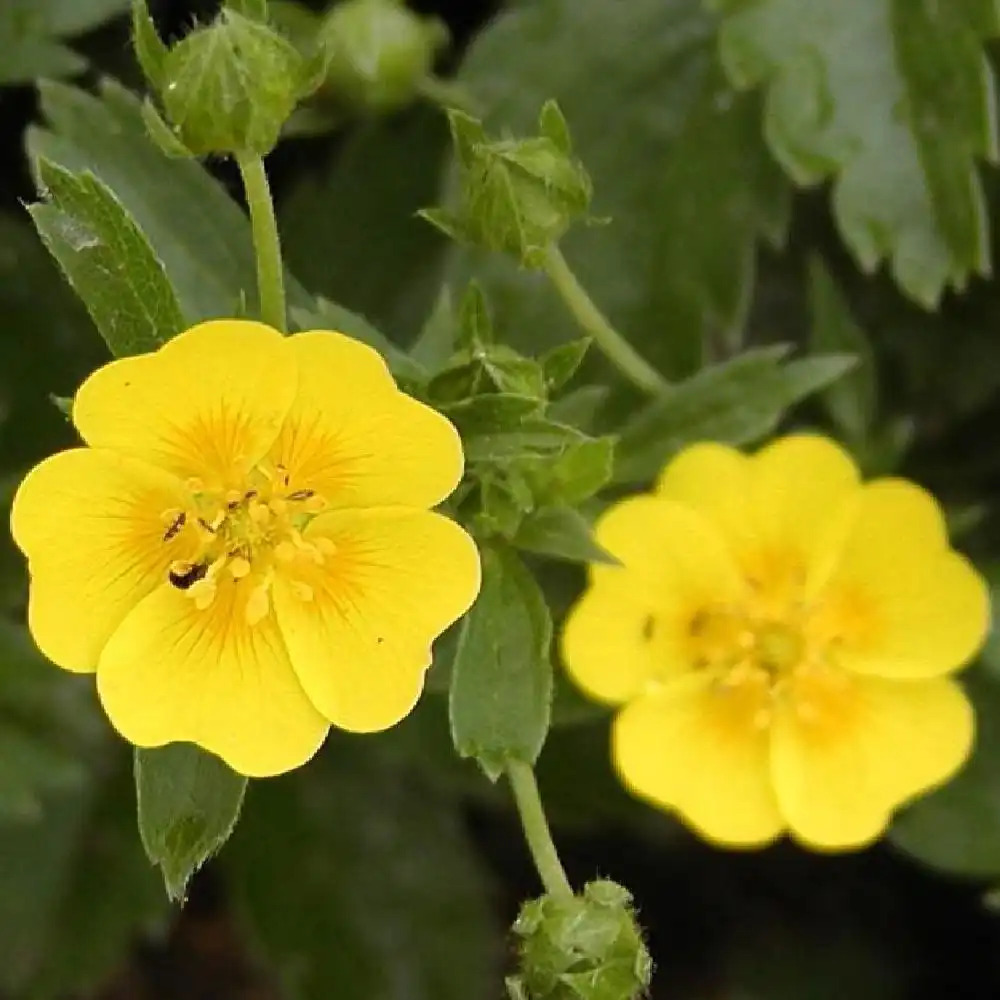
243,535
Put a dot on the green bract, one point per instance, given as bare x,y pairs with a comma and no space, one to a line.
517,196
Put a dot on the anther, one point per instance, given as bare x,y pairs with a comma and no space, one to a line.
258,604
297,495
239,567
175,525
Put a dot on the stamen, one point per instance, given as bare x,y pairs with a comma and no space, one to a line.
176,519
297,495
239,567
204,593
258,603
285,551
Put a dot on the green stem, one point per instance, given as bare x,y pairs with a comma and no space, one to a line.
447,94
536,829
618,350
267,246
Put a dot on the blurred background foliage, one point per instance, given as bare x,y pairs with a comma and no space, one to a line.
806,173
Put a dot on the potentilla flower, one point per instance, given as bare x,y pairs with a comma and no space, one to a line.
244,551
781,638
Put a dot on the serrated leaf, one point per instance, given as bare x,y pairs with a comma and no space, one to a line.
563,533
561,363
107,260
195,228
737,402
536,436
900,137
850,400
491,413
475,328
31,30
501,682
356,879
957,828
677,161
575,474
188,802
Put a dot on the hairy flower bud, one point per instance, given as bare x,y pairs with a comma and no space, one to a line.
228,87
585,947
518,196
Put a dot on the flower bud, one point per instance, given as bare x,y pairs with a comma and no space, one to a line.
585,947
518,196
228,87
378,52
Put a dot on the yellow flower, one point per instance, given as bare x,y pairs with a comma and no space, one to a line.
780,636
244,551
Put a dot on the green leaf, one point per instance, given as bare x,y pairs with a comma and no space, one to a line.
574,475
736,403
491,412
676,160
30,33
561,532
356,879
107,260
196,230
901,138
850,400
349,229
501,684
561,363
189,802
957,828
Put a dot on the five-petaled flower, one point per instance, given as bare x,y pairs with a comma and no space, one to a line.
245,552
780,636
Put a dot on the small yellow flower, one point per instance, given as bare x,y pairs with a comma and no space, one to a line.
244,551
780,636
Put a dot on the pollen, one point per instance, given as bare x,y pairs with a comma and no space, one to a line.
769,643
244,535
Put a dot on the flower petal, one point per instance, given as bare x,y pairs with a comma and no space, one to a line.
632,624
91,524
670,553
687,748
837,785
172,673
905,605
802,489
607,641
207,404
360,636
714,480
354,438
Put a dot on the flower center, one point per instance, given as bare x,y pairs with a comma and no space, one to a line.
243,536
763,652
